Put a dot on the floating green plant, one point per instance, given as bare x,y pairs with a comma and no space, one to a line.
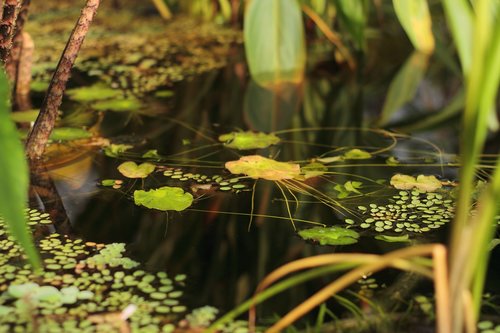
130,169
408,211
118,105
114,150
258,167
248,140
24,116
92,93
330,235
164,198
69,133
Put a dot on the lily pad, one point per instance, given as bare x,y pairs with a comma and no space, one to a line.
118,105
96,92
357,154
69,133
130,169
422,183
164,198
330,236
313,169
248,140
114,150
258,167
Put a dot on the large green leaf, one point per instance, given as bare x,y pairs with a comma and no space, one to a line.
353,15
274,41
416,20
14,177
164,198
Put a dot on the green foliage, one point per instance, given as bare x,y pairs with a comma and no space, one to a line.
92,93
357,154
353,15
164,198
422,183
111,255
274,41
114,150
69,133
349,188
118,105
130,169
14,177
248,140
24,116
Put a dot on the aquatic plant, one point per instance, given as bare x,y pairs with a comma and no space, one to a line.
248,140
164,198
330,235
130,169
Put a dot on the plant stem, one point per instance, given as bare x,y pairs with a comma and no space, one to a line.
45,121
12,60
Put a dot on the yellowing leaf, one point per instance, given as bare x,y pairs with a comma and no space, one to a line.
259,167
357,154
416,21
132,170
422,183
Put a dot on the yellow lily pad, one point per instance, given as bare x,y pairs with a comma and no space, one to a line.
258,167
248,140
130,169
422,182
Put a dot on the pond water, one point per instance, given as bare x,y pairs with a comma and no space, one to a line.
238,229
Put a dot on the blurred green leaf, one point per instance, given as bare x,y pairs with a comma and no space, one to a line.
460,20
416,20
353,17
14,177
404,85
274,41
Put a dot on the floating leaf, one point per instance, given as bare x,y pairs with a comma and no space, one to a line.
118,105
164,198
393,239
248,140
347,189
114,150
28,116
274,41
130,169
330,236
422,183
95,92
259,167
357,154
69,133
153,153
392,161
164,93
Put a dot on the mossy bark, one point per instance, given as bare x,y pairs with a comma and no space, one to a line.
46,120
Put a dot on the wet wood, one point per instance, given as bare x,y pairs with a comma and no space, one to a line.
13,57
7,26
46,120
21,96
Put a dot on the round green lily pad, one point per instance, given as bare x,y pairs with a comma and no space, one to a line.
330,235
164,198
248,140
131,170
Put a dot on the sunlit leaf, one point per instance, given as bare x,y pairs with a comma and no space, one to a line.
114,150
164,198
259,167
28,116
416,20
422,182
130,169
248,140
404,85
313,169
118,105
274,41
330,236
14,178
353,16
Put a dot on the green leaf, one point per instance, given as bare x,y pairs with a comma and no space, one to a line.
460,20
92,93
393,239
28,116
118,105
14,178
248,140
274,41
259,167
416,20
422,183
69,133
130,169
330,236
164,198
313,169
353,15
357,154
404,85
